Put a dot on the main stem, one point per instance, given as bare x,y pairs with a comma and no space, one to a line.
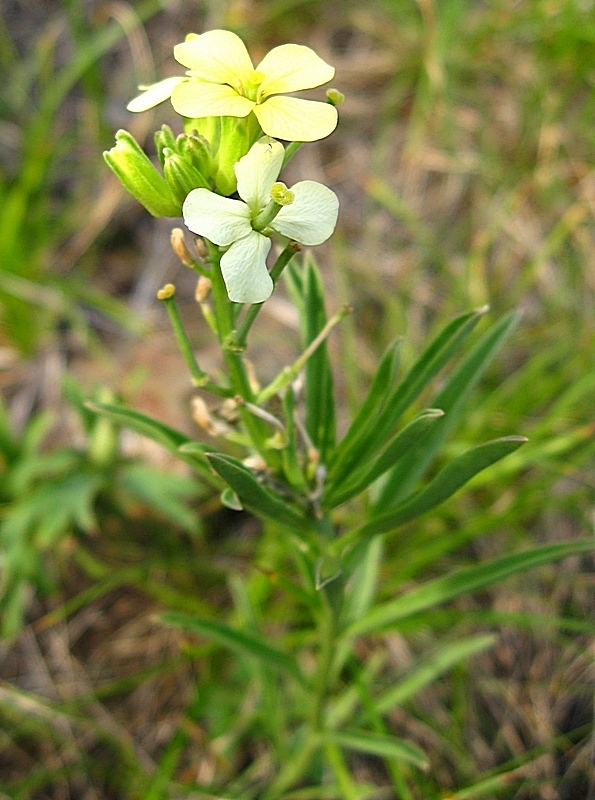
255,427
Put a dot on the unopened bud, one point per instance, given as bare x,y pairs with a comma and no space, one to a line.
182,177
195,149
136,173
164,138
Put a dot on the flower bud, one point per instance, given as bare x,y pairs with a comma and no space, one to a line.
140,178
195,149
181,176
164,138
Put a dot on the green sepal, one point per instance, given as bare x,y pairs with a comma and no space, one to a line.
252,494
181,176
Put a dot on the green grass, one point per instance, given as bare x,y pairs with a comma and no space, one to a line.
464,166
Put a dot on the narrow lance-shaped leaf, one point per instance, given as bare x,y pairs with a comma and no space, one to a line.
364,474
452,400
308,294
464,581
253,495
379,745
446,483
431,668
172,439
384,421
375,400
238,641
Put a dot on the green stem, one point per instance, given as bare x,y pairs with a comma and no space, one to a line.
290,151
199,376
289,374
282,261
256,427
293,769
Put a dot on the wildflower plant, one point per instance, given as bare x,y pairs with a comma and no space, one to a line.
330,499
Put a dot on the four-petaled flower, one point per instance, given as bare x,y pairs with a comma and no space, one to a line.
309,219
221,81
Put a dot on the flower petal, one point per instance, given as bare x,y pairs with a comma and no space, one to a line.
312,216
195,99
216,56
291,68
244,269
154,94
258,170
296,120
218,218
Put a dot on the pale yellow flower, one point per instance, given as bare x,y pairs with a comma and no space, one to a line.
222,81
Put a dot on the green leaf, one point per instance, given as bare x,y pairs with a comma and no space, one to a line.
444,485
363,475
364,581
307,292
461,582
432,667
452,400
375,400
253,495
379,745
172,439
237,641
380,425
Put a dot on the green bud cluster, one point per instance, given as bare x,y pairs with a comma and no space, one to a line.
138,175
185,160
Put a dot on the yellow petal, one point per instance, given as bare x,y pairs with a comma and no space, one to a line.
291,68
195,99
296,120
216,56
154,94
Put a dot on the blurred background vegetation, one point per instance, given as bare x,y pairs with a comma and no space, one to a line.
464,166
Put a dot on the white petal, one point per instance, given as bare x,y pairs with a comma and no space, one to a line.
244,269
218,218
154,94
312,216
216,56
196,99
291,68
258,170
296,120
